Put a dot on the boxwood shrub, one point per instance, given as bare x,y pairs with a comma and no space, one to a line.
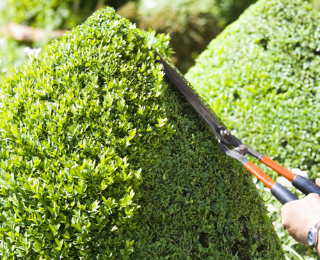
261,75
101,158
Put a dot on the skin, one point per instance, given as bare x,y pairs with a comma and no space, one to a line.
300,215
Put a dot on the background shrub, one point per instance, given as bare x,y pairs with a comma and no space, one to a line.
101,158
52,14
48,15
190,23
11,55
261,75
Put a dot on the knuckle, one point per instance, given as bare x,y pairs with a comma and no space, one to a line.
312,196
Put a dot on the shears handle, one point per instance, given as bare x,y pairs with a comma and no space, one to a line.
301,183
226,140
281,193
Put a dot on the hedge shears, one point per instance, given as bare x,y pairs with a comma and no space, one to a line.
234,148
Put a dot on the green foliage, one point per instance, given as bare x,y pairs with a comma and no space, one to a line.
52,14
11,55
47,14
101,158
261,75
192,24
315,4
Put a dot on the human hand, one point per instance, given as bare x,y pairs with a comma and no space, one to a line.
300,215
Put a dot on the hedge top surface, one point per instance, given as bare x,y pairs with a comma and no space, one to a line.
101,158
261,75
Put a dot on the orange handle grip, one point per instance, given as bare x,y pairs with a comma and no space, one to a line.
259,174
278,168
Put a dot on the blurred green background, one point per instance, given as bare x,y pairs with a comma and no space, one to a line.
26,26
192,24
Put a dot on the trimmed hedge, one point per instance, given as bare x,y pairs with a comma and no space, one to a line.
261,75
101,158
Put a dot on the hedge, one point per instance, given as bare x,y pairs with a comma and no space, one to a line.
101,158
261,75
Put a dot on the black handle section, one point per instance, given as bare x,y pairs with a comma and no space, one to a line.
282,194
305,185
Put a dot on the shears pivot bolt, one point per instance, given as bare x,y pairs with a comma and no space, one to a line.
225,132
242,149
